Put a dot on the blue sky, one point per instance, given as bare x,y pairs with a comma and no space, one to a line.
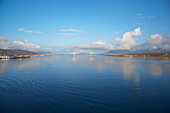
65,23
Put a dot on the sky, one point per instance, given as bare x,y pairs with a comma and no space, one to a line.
84,25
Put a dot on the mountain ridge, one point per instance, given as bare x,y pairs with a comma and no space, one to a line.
15,52
145,51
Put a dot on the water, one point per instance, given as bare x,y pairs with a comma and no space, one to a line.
84,84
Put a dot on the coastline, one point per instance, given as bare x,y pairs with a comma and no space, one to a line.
139,55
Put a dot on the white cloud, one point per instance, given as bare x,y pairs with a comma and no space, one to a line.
18,44
23,29
70,32
166,44
62,30
4,43
24,44
38,32
127,42
74,30
29,31
154,41
66,33
98,45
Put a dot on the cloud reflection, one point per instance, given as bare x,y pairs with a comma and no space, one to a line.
155,69
157,66
130,69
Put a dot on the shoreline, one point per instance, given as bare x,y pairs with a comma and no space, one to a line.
139,55
20,56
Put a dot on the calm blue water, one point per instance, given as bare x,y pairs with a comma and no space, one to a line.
84,84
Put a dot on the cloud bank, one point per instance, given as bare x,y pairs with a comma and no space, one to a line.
128,42
18,44
26,45
153,42
166,44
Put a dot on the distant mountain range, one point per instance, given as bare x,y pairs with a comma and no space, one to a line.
146,51
15,52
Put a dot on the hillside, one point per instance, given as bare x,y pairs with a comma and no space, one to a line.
15,52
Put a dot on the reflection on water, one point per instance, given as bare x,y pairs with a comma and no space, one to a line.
74,59
129,70
155,69
166,67
91,58
18,64
129,67
85,84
